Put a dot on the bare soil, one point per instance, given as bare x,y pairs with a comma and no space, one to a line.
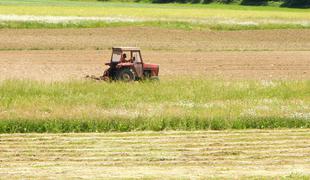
58,65
155,39
62,54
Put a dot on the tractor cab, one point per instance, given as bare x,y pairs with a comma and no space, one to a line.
133,55
127,64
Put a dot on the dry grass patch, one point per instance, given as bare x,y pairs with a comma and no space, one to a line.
200,154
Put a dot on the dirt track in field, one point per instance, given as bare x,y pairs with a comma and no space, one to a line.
156,154
63,54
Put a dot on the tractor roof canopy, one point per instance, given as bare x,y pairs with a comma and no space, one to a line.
126,49
132,52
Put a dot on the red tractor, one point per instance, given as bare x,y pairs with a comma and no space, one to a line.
130,69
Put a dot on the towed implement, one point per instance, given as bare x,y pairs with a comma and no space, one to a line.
126,64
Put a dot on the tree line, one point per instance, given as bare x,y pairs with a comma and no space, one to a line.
285,3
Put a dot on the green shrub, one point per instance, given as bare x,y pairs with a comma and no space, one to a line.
193,1
225,1
297,3
163,1
254,2
196,1
207,1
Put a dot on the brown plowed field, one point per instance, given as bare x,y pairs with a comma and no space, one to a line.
73,64
63,54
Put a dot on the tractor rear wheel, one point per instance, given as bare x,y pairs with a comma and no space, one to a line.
126,75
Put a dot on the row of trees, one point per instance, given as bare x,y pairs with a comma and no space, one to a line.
297,3
285,3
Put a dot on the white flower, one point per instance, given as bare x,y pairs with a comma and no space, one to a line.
266,83
64,19
301,115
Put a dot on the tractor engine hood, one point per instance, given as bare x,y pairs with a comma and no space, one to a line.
154,68
150,66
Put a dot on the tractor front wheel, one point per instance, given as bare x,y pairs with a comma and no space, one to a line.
126,75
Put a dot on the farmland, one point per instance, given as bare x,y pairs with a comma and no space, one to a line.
246,154
70,54
235,81
62,14
233,100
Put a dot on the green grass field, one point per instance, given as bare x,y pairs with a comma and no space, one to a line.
186,16
183,104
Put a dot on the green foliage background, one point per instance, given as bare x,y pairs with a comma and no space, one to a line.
284,3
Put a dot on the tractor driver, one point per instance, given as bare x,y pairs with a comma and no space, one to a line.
123,58
133,59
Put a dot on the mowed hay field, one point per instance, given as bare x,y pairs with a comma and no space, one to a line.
254,154
64,54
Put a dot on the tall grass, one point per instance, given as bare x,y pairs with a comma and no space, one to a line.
185,104
160,24
150,124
